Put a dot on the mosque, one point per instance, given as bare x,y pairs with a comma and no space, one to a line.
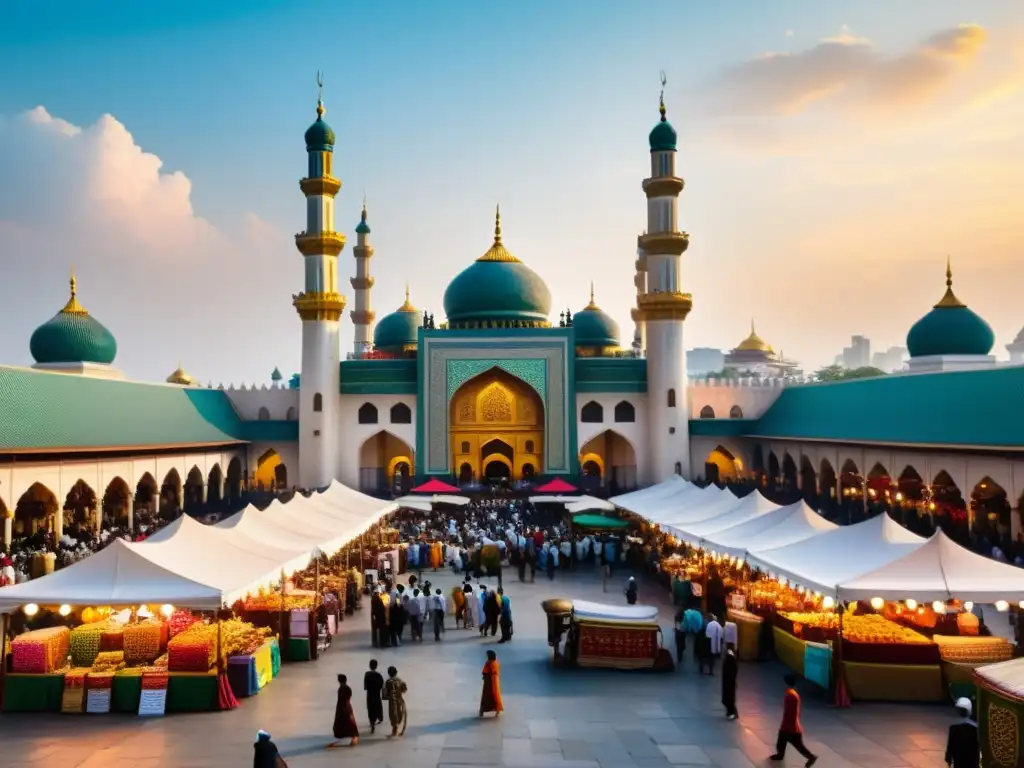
498,390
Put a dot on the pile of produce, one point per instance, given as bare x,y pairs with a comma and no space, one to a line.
180,621
860,629
42,651
85,643
144,642
735,614
974,650
271,601
770,593
108,661
194,650
112,638
240,638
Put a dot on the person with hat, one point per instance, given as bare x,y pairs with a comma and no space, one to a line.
265,754
962,745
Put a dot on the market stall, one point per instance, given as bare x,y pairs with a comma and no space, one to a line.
777,528
1000,714
589,634
640,502
750,507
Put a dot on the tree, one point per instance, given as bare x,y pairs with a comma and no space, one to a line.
839,373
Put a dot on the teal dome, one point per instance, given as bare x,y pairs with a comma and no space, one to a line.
362,228
497,290
950,329
663,137
593,327
73,336
399,330
320,136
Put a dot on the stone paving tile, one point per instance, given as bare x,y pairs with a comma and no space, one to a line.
553,718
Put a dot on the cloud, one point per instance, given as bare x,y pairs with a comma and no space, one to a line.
847,71
165,280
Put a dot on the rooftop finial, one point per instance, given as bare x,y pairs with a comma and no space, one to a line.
592,306
497,224
320,94
73,307
661,99
949,299
407,291
74,284
752,331
591,291
363,214
407,306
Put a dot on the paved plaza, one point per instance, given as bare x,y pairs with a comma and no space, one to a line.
553,718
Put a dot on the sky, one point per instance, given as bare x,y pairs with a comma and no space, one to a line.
834,155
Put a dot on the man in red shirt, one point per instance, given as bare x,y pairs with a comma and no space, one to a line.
790,731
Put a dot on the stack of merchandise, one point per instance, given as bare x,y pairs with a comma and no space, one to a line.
194,650
85,643
108,662
180,621
144,642
42,651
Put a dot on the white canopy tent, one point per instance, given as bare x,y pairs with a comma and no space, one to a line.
583,609
821,563
589,504
659,490
412,501
750,507
667,498
938,569
778,528
118,575
700,504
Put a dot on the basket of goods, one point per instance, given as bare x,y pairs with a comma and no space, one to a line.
974,650
194,650
144,642
42,651
873,639
815,627
180,621
108,661
85,643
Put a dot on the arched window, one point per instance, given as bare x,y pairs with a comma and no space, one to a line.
367,413
707,412
401,414
671,398
465,447
529,446
264,414
528,471
318,403
291,414
592,413
625,412
679,468
735,412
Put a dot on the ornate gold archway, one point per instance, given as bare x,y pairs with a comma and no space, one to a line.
496,406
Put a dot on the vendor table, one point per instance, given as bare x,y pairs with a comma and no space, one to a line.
790,650
33,693
1000,728
749,635
894,682
126,692
248,674
192,691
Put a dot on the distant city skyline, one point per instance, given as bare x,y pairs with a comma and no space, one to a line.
833,157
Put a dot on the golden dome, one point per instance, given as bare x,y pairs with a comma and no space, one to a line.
180,376
498,252
407,306
753,342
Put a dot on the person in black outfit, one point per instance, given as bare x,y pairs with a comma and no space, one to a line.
265,754
373,683
378,621
396,612
730,668
492,610
962,745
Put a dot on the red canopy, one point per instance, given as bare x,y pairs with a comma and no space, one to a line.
435,486
558,485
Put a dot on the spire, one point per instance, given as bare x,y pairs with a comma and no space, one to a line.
592,306
73,307
320,108
497,251
949,300
661,99
407,306
362,228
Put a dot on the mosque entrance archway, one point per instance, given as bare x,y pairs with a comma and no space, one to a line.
722,467
35,510
496,419
386,462
609,459
271,473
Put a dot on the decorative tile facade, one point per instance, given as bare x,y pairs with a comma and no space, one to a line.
541,362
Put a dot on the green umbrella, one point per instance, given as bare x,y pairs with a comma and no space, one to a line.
598,521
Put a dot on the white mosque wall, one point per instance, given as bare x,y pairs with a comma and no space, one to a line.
262,403
743,398
59,477
354,435
634,432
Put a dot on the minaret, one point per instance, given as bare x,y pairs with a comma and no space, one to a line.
663,308
320,306
640,281
362,316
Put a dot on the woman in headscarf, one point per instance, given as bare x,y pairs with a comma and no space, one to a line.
631,591
394,692
492,611
265,754
490,698
344,718
459,604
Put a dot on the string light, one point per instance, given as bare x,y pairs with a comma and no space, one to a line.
877,603
64,610
911,604
31,609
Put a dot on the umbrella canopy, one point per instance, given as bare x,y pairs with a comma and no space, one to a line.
435,486
599,522
558,485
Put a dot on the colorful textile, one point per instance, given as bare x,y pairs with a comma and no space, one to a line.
490,697
617,646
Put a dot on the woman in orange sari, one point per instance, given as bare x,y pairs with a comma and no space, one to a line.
490,698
